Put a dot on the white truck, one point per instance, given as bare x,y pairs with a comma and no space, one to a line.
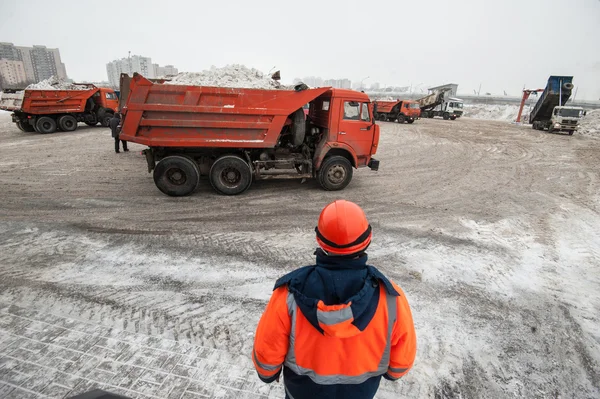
563,119
438,103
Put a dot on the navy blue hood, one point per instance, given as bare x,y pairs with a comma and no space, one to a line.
338,280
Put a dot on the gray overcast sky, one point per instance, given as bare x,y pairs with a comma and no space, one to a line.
502,44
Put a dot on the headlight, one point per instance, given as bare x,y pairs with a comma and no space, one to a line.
557,125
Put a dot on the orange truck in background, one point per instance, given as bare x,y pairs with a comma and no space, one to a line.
235,136
400,110
45,111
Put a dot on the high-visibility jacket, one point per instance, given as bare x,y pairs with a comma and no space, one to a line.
335,329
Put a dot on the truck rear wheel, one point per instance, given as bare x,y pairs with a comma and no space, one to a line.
230,175
383,117
67,123
401,118
45,125
176,176
335,173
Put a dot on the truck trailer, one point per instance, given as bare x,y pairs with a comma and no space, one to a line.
550,112
45,111
235,135
400,111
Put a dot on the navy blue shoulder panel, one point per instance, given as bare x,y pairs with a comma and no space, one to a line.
290,276
387,284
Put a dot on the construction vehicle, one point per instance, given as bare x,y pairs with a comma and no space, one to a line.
234,136
400,111
526,94
550,111
45,111
439,103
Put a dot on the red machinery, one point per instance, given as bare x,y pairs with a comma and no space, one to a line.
526,94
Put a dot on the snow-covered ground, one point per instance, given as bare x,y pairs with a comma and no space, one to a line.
490,229
235,75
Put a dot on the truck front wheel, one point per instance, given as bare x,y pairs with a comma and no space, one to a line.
446,116
105,120
45,125
230,175
335,173
176,176
401,118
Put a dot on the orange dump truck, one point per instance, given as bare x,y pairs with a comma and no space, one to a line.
45,111
400,110
235,136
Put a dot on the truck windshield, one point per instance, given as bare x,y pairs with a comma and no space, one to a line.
571,113
413,105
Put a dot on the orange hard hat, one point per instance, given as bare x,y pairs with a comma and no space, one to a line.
343,228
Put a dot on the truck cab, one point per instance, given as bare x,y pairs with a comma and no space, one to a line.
346,120
454,107
566,119
106,98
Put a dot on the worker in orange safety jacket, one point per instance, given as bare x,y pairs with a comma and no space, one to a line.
335,328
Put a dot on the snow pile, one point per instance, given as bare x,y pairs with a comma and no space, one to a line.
54,83
590,124
235,75
505,112
11,101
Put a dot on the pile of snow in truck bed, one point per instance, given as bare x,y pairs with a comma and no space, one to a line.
54,83
590,124
235,75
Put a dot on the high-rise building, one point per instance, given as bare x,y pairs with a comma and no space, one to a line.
12,74
137,63
39,62
167,70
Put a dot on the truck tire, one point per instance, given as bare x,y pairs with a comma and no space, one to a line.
105,120
21,128
571,132
230,175
26,126
382,117
91,123
335,173
401,118
446,116
67,123
410,121
176,176
298,127
45,125
453,117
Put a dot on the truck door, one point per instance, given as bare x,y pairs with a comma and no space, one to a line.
356,128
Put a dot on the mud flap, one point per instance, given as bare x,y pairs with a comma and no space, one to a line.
373,164
150,159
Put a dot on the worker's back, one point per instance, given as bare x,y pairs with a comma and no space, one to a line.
336,327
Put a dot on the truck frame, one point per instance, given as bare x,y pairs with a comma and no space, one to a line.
45,111
234,136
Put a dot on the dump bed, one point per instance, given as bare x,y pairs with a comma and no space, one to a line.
43,102
558,90
160,115
386,106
